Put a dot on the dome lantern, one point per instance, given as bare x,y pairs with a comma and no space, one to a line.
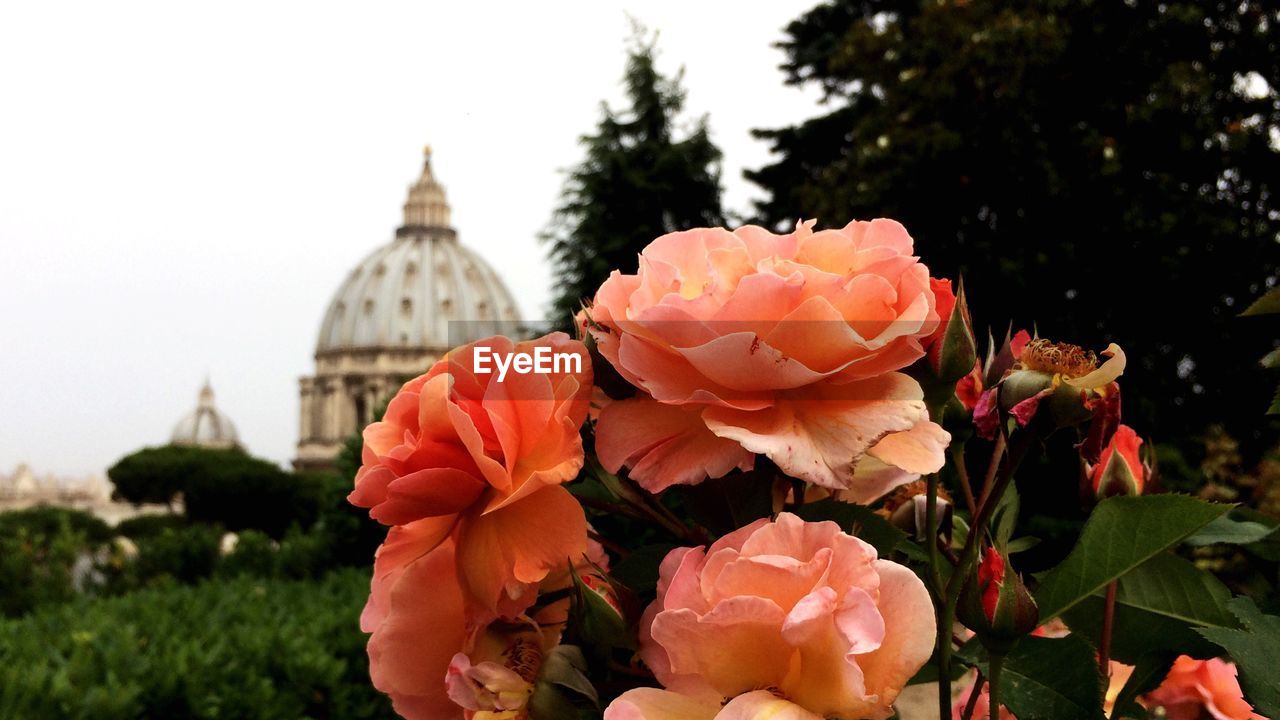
426,208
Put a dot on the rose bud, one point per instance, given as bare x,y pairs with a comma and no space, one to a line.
1120,470
907,509
951,351
995,605
1056,382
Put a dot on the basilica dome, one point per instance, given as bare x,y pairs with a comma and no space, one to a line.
205,426
422,290
403,307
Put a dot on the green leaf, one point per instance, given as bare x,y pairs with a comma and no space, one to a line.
1254,651
1229,531
1121,534
1148,673
1271,360
858,520
1052,679
1268,304
562,688
1022,544
1274,407
565,666
1159,606
1005,518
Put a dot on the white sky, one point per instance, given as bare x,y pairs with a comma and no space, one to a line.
183,186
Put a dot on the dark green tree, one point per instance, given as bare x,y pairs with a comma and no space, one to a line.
1105,169
645,174
224,487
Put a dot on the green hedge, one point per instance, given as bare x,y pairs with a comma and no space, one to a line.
240,648
48,521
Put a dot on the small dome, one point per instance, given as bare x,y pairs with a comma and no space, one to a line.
205,426
406,294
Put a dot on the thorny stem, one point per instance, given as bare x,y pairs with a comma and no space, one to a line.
1108,620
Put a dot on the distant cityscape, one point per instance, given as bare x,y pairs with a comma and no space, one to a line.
405,305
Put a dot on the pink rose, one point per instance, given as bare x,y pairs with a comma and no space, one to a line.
798,607
461,454
748,342
1195,687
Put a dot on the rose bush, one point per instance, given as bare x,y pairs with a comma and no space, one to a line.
773,531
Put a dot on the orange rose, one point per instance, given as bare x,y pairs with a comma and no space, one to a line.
437,657
465,455
1196,687
748,342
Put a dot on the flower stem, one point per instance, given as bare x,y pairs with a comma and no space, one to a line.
931,531
998,478
973,697
993,682
936,590
962,472
1108,621
946,619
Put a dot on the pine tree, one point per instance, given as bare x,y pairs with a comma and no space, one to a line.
1105,169
643,175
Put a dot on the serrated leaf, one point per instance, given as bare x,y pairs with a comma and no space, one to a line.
1274,408
1121,534
1230,531
1254,651
1052,679
1268,304
858,520
1159,605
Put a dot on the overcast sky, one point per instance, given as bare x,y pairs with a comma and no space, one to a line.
183,186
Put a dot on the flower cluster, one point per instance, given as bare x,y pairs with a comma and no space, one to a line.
753,423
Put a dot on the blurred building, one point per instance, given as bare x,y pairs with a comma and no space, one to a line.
23,489
205,426
397,312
